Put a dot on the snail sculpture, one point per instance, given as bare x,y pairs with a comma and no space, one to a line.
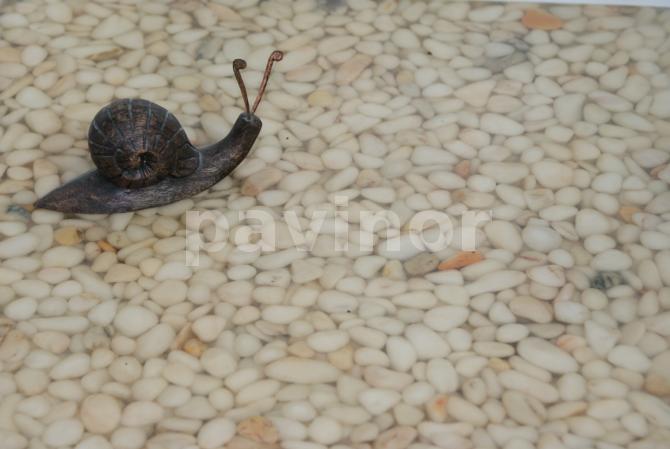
144,158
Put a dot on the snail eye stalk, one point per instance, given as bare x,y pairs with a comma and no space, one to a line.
274,57
240,64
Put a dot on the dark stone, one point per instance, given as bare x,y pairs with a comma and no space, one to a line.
606,280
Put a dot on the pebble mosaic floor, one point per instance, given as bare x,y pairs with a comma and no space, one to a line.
551,332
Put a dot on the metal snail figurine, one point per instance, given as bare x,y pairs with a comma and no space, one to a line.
144,158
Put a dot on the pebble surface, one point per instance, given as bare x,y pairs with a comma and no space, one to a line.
552,331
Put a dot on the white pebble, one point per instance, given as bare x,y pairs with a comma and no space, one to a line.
546,355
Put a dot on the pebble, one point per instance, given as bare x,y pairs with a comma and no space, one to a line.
659,106
601,338
486,14
328,341
541,238
546,355
218,362
63,257
629,357
444,318
591,222
325,430
112,26
476,94
421,264
463,411
299,181
549,275
426,342
302,371
499,124
442,375
122,273
399,437
351,69
653,408
100,413
495,281
33,98
208,328
504,172
405,38
551,67
73,365
141,413
59,12
552,174
571,312
611,260
215,433
133,321
67,236
63,432
258,429
21,309
146,81
537,19
33,55
19,245
401,353
378,400
505,235
568,108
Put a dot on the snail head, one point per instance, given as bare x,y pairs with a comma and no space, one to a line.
247,126
240,64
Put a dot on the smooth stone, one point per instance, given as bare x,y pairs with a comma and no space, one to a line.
552,174
499,124
546,355
302,371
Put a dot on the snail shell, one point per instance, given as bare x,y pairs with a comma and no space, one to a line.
137,143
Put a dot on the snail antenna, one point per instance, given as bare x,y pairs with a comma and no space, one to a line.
238,65
274,57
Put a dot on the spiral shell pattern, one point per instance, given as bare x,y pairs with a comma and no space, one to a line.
136,143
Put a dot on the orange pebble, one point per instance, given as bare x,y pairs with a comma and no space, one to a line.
569,342
626,213
436,408
460,260
106,246
499,365
657,384
462,169
194,347
259,429
536,19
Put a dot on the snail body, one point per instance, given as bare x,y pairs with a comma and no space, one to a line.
144,158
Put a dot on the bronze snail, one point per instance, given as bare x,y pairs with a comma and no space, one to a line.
144,158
